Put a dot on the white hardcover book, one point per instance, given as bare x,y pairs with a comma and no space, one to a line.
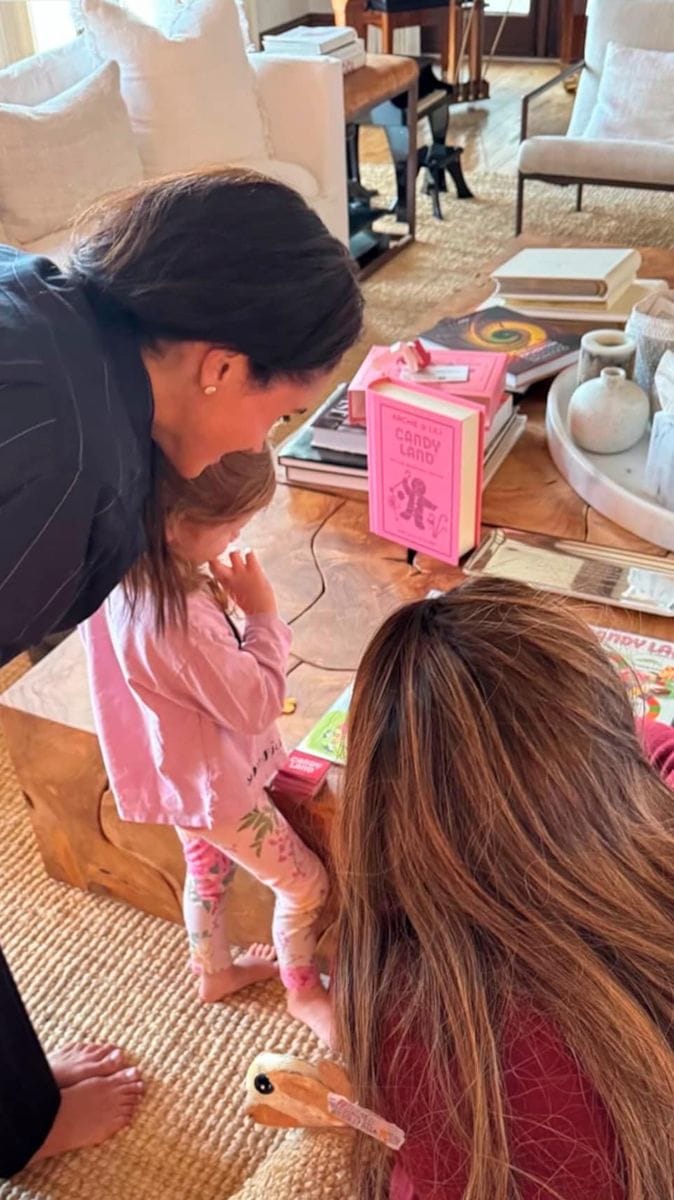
309,40
354,62
353,50
592,275
616,312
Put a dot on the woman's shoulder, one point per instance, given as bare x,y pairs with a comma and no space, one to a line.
40,306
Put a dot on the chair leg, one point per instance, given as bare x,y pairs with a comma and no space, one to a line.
519,210
579,198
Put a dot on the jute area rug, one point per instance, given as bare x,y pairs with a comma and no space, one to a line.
91,968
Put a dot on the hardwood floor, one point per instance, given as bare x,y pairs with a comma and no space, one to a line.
489,131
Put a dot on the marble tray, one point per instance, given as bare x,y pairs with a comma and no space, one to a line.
610,483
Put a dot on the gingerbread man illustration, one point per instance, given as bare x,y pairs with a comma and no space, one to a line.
417,501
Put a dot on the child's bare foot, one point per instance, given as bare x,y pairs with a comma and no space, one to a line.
256,965
71,1064
313,1007
91,1112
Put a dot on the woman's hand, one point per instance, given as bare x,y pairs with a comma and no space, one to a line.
247,584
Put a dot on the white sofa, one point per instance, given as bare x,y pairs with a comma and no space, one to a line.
623,159
291,112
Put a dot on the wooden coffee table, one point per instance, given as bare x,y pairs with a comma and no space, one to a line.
336,583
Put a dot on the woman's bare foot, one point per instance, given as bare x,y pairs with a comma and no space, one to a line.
313,1007
256,965
91,1112
72,1064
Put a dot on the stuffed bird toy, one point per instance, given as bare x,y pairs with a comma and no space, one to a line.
286,1092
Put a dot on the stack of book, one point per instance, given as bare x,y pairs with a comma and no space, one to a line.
331,448
319,41
301,460
596,284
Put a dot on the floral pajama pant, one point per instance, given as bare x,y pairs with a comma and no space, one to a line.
262,841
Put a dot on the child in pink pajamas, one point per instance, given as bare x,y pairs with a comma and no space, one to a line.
186,705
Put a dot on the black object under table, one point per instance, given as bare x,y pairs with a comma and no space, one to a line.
436,160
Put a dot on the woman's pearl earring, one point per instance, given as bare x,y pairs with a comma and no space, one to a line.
208,391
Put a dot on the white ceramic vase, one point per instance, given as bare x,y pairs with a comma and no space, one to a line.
609,414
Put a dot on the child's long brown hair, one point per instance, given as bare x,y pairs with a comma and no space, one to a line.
502,836
235,488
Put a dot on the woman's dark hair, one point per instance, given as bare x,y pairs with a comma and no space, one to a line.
228,257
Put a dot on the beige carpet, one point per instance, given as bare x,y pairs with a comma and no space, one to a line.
89,967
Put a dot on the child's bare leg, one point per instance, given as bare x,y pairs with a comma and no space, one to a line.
264,843
312,1006
209,873
254,966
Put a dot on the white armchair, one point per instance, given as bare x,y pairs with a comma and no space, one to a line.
622,156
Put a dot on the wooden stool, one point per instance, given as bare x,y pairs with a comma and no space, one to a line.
49,728
368,93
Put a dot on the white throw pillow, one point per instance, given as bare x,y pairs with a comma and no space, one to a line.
42,76
62,155
191,95
635,101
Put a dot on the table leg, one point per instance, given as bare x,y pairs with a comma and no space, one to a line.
412,161
355,188
477,91
399,143
386,28
350,12
566,14
352,159
454,34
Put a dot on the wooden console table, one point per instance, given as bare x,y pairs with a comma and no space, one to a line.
368,100
336,583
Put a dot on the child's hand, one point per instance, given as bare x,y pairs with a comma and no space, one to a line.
247,584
